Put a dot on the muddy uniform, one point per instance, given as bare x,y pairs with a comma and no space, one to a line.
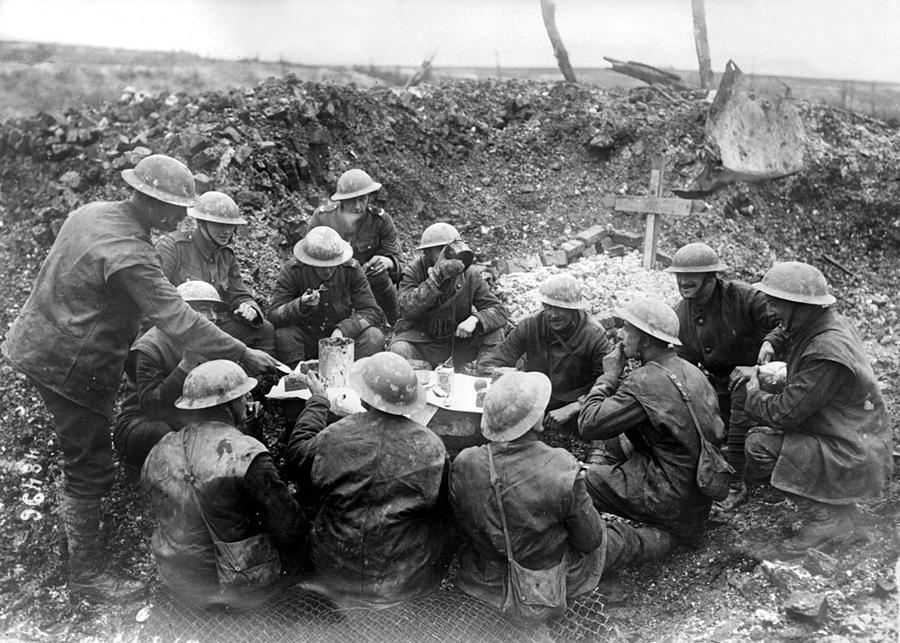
101,277
548,512
726,332
378,486
656,484
430,313
572,360
374,234
187,256
826,435
242,495
347,303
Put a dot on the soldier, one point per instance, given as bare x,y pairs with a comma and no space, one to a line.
71,338
446,309
826,439
155,371
723,325
204,254
378,483
371,233
563,342
208,483
651,476
323,292
548,513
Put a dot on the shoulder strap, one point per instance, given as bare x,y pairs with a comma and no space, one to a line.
189,477
686,397
497,486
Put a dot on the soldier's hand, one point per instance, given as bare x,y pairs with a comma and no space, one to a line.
446,269
766,353
247,311
310,298
316,387
614,361
467,327
257,361
557,418
740,376
377,265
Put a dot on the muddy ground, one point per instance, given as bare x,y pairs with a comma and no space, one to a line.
512,165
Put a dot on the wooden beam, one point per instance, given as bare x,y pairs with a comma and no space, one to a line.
651,222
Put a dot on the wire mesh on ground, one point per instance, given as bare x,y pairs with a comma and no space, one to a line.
298,615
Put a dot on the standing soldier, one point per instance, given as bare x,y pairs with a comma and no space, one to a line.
446,308
204,254
826,438
323,292
71,338
371,233
723,325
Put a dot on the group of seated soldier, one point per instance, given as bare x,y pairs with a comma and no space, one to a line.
380,511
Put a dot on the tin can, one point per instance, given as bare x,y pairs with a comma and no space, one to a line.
444,381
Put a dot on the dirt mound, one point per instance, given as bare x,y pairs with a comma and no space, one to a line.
516,166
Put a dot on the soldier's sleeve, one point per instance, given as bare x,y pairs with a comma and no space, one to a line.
508,352
417,298
303,443
583,522
607,411
168,257
365,309
238,292
489,310
285,309
389,242
157,298
157,390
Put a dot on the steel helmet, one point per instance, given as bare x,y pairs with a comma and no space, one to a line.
696,257
217,207
654,318
798,282
322,246
164,179
514,404
213,383
354,183
200,291
563,291
438,234
388,383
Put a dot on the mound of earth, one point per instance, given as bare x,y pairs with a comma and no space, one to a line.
517,167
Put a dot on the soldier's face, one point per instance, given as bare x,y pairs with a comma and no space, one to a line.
632,340
167,216
695,285
357,205
559,318
219,233
207,310
325,274
781,309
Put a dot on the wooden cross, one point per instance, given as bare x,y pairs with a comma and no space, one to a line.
653,206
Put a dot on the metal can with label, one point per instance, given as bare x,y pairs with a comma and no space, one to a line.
444,376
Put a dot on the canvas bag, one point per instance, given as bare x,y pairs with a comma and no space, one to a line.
246,569
531,595
714,474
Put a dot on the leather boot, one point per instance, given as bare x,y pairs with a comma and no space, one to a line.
88,577
822,524
737,495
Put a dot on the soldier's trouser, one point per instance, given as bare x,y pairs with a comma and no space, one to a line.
294,344
737,423
134,437
261,337
628,545
437,351
83,434
763,450
385,292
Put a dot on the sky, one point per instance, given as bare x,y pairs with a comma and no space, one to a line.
852,39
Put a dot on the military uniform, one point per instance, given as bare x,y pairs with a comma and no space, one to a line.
431,311
187,256
347,304
101,277
374,234
725,332
377,486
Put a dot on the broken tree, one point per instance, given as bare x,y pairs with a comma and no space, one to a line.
548,11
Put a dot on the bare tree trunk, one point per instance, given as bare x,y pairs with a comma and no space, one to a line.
702,43
548,11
